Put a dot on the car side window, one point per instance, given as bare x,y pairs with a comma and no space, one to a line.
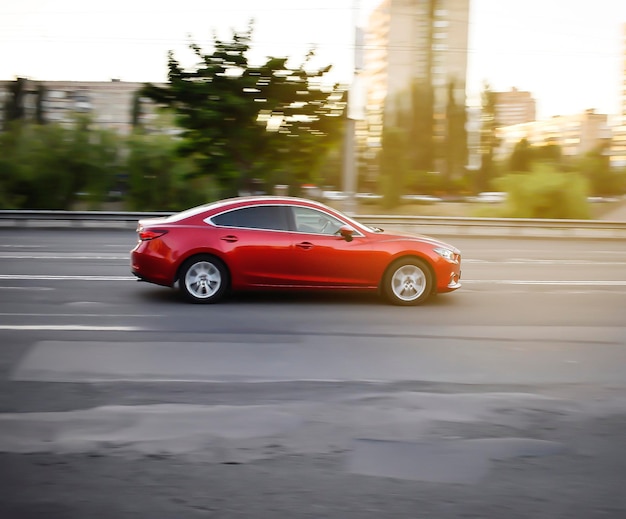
258,217
315,222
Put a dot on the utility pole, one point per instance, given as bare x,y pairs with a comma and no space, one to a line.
355,112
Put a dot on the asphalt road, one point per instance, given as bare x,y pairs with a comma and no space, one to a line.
503,399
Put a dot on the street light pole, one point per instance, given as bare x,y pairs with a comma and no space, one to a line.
354,112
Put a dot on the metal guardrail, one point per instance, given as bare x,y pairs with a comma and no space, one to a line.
434,225
44,218
509,227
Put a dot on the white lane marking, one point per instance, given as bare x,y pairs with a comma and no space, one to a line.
528,261
82,256
7,314
585,283
67,327
41,277
15,246
600,283
30,289
125,257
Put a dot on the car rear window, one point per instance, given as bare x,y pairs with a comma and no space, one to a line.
258,217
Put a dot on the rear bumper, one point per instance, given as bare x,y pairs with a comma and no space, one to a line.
150,268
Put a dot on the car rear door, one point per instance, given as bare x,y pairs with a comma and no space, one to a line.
256,244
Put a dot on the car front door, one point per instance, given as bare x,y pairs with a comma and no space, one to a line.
322,257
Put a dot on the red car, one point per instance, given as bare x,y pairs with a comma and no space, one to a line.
288,243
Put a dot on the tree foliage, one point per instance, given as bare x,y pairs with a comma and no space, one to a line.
412,116
47,167
40,113
603,181
488,139
241,122
421,127
158,179
394,165
14,102
545,192
522,156
455,145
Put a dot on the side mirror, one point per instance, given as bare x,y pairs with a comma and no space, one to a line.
346,232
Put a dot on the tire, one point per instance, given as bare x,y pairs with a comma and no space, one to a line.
203,279
408,282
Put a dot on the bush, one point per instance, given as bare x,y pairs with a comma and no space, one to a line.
545,193
49,166
160,180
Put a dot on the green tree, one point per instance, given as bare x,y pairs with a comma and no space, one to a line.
105,166
46,167
40,113
550,152
455,146
136,111
595,166
394,165
419,120
159,179
39,158
488,139
241,122
545,192
521,158
409,113
9,170
14,106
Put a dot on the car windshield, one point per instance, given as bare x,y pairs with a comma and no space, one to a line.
359,225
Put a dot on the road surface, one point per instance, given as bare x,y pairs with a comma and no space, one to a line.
503,399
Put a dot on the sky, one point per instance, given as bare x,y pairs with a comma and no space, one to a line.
568,53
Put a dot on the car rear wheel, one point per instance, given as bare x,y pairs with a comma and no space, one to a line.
408,282
203,279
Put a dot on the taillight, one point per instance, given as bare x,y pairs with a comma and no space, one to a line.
149,234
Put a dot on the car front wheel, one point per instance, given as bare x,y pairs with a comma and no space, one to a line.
203,279
408,282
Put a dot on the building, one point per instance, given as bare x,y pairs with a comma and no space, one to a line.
514,107
408,41
574,134
109,103
618,145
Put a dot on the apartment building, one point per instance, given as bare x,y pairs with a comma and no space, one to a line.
618,147
109,103
408,41
515,107
575,134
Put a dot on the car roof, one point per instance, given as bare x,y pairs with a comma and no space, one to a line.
242,201
269,198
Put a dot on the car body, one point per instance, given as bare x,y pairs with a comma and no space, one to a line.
334,196
489,197
421,199
368,197
270,242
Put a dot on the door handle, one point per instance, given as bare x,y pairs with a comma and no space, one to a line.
306,245
229,238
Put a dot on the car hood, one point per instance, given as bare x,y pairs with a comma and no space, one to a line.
422,238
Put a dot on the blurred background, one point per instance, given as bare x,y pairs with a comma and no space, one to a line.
428,107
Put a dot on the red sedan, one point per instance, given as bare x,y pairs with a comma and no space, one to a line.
288,243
